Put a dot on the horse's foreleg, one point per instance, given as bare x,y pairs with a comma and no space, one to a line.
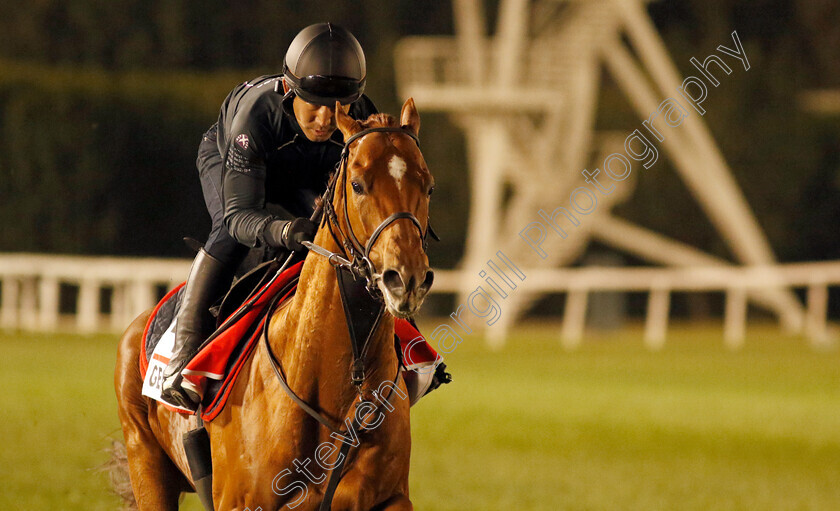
358,493
354,493
395,503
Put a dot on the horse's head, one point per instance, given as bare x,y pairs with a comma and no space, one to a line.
384,195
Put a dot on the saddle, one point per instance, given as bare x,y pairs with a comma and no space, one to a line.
213,370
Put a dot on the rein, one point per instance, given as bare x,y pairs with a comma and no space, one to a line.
353,266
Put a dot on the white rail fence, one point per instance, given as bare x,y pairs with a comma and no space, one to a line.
106,293
736,282
109,291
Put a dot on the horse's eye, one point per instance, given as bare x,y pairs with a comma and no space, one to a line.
357,187
431,190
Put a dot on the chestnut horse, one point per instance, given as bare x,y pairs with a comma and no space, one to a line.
263,443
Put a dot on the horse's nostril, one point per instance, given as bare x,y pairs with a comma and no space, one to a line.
430,277
393,281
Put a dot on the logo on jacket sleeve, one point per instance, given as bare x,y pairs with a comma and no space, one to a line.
242,140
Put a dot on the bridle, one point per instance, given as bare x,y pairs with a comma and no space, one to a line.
355,257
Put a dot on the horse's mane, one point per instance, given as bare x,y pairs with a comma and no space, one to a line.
380,121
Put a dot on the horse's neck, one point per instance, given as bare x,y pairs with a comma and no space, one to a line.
313,342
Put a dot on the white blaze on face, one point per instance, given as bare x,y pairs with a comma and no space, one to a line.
397,166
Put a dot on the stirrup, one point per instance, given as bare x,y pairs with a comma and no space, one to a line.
441,377
180,392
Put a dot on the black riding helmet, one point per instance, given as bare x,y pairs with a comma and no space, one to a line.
325,64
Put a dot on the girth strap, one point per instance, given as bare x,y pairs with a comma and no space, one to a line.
335,475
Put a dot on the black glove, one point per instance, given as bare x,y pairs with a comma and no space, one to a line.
290,234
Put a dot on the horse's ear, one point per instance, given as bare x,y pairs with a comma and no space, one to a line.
345,123
409,118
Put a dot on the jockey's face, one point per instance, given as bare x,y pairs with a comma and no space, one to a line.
316,121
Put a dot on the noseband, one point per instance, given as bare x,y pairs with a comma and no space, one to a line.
355,257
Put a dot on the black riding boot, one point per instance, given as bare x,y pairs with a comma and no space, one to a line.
208,278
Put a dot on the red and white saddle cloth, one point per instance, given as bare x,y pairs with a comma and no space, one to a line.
213,371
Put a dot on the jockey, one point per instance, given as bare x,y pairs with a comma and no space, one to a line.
275,143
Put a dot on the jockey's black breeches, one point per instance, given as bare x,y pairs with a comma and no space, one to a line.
220,244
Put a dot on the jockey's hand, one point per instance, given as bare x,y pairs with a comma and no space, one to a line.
292,233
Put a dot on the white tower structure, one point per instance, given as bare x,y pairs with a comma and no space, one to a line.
526,96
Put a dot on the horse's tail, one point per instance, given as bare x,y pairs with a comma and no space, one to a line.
117,468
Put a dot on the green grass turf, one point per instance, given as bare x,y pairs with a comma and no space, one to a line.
610,426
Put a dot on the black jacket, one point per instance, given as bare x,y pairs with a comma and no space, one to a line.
268,159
